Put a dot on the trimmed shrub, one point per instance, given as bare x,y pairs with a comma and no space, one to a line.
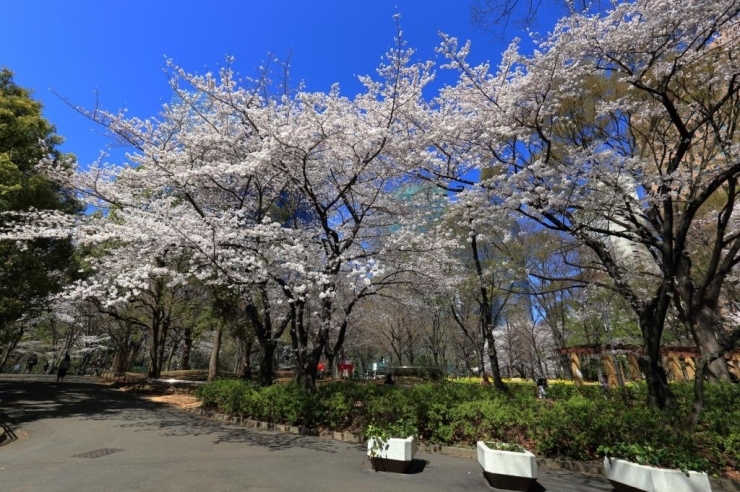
572,423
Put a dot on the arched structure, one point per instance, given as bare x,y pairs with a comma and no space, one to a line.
672,358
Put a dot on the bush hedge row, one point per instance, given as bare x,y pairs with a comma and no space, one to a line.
573,423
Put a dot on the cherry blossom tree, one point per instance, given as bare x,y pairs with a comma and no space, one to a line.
618,130
347,159
284,198
147,295
474,236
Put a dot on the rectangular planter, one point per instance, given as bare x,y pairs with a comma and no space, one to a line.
507,469
626,476
395,456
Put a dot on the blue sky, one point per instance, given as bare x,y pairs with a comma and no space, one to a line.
76,47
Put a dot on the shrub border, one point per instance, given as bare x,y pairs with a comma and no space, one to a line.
581,467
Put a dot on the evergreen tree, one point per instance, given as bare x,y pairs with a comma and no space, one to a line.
30,272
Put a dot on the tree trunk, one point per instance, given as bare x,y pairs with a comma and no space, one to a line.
698,393
248,349
560,337
564,363
329,369
310,365
266,336
122,357
9,349
268,356
163,332
651,364
153,370
331,352
309,372
486,316
299,348
213,364
495,371
171,355
244,354
697,308
703,330
186,347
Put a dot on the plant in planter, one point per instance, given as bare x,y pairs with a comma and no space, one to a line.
631,467
507,466
388,450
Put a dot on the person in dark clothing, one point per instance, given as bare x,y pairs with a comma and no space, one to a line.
247,371
63,368
32,361
389,379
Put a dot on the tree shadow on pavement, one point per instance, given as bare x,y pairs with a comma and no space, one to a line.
26,399
177,423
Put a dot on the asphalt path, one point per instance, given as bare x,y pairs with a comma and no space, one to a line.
82,436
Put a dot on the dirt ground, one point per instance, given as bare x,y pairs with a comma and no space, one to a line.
176,400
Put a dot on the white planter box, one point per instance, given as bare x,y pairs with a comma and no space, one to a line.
395,449
625,475
394,456
507,469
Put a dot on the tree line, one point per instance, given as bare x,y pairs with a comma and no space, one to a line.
511,214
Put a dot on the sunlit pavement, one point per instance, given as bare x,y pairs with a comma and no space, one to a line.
82,436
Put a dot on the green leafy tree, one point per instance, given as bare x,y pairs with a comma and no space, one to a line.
40,267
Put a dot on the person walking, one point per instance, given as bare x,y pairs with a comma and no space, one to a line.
541,388
32,361
63,368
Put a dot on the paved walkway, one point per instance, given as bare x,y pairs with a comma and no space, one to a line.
81,436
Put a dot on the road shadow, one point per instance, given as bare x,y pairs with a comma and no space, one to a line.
7,435
28,399
171,422
564,480
417,466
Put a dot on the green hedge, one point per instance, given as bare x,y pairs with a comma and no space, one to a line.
573,424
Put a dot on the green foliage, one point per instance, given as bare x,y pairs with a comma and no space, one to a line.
581,423
340,406
285,403
684,459
505,446
231,396
573,428
381,433
40,267
390,406
26,138
730,446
